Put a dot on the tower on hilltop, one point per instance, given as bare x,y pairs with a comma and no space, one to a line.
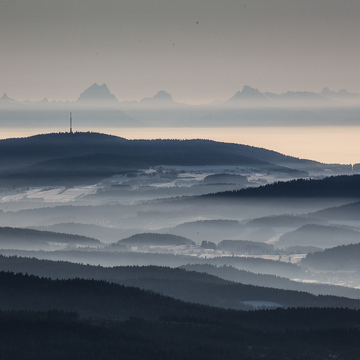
71,123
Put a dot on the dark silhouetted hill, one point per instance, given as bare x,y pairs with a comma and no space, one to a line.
89,298
22,152
277,334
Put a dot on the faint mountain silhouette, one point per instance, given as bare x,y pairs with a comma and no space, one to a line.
249,94
6,99
327,92
161,99
97,93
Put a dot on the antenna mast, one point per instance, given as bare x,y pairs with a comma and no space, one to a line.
71,123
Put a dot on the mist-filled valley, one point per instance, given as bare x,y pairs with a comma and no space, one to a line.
101,232
179,180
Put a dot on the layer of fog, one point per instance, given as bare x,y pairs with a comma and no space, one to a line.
247,107
152,202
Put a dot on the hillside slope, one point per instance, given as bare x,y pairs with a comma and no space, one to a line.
22,152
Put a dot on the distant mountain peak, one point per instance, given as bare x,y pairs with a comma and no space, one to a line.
342,95
250,90
161,98
163,95
249,93
327,92
5,97
97,93
343,92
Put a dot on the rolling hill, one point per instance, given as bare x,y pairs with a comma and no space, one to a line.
21,152
214,230
347,212
339,258
319,235
17,238
188,286
153,239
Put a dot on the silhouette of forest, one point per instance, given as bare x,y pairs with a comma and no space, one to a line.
333,186
258,335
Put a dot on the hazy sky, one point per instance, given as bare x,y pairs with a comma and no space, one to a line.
198,50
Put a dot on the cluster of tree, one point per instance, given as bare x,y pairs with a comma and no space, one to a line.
243,247
246,247
208,245
300,249
226,179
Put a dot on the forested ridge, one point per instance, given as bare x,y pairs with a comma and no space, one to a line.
333,186
31,236
107,258
59,335
339,258
87,297
148,276
42,318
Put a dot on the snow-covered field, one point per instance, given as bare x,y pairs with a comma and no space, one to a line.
57,194
164,176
